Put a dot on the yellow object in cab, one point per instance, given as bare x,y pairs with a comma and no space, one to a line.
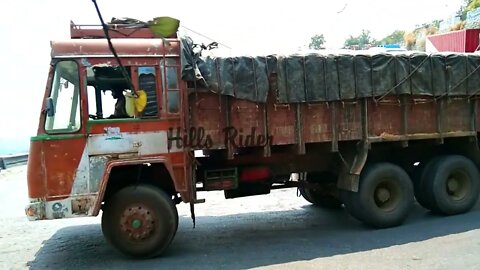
135,105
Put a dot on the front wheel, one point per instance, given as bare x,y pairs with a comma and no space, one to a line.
140,221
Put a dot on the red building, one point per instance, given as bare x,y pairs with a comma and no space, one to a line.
466,40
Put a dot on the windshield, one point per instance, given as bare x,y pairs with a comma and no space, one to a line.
64,98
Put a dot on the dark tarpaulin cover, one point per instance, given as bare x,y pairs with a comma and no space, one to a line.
333,77
240,77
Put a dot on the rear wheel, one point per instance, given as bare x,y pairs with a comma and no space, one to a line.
322,195
421,194
140,221
451,185
384,198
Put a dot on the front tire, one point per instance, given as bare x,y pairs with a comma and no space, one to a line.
140,221
385,196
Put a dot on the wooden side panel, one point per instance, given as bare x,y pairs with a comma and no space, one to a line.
422,118
206,112
281,122
349,123
384,118
418,116
456,116
246,119
317,125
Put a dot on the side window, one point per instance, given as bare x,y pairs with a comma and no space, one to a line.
64,99
107,92
171,87
147,81
100,103
93,107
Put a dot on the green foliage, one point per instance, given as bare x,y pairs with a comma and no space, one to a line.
473,4
362,41
316,42
468,5
432,24
394,38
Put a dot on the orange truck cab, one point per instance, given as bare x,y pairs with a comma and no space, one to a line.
82,147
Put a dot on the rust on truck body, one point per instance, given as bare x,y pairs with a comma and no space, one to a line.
129,48
422,121
133,155
287,137
56,159
168,161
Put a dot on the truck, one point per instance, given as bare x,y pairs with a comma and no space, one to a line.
370,134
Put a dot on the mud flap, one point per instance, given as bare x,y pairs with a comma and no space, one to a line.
349,177
192,212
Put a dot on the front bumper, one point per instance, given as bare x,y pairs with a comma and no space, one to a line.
35,211
78,206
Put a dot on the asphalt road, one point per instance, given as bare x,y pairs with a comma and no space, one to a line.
277,231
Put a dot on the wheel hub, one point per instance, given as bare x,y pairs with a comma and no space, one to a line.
382,194
452,185
458,185
137,222
387,195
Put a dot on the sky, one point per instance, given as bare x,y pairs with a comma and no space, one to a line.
247,27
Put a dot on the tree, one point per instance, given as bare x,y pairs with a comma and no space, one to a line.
316,42
410,39
363,41
432,24
394,38
472,4
468,5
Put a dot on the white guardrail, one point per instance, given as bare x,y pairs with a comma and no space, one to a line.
12,160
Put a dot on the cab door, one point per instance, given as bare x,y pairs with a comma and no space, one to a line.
63,138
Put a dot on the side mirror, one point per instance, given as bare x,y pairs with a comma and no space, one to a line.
50,108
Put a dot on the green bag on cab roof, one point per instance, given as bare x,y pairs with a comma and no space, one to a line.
164,26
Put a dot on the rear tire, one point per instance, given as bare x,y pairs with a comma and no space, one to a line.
451,185
421,194
323,195
140,221
384,198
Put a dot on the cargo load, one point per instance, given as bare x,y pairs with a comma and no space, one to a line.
317,77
